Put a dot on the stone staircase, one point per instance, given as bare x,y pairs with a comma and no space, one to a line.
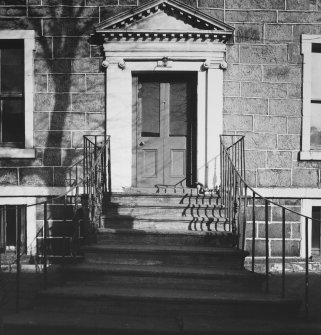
163,264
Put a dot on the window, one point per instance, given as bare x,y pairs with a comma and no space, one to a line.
12,126
315,233
16,93
12,221
311,126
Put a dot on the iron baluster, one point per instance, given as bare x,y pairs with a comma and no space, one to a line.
283,252
266,246
18,253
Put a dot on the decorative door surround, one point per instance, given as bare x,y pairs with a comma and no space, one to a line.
164,36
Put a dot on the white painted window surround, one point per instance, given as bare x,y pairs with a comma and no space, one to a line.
306,49
28,36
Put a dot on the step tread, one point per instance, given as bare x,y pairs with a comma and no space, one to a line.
143,270
124,231
158,325
157,206
165,295
143,248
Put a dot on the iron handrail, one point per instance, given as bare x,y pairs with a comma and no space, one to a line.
264,198
44,230
239,179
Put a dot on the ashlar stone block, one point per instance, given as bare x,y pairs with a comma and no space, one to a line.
260,141
52,102
250,16
280,33
263,90
282,74
274,178
231,89
270,124
285,107
248,33
245,106
305,178
301,4
36,176
294,125
8,176
255,4
238,122
279,159
289,142
255,159
263,54
243,72
292,248
67,83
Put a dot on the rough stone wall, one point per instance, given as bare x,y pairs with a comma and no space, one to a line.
292,228
263,87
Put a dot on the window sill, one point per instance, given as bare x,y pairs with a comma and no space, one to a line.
17,153
310,155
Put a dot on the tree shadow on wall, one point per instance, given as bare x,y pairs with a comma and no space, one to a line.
67,82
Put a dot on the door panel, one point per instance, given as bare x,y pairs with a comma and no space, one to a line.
165,121
177,163
150,163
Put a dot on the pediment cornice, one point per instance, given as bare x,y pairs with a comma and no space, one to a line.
164,20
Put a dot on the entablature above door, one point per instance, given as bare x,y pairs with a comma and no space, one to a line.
163,21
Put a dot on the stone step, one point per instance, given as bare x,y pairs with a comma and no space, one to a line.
40,322
178,224
166,277
181,200
170,212
152,255
191,302
150,237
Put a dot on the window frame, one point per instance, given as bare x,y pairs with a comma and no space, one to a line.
28,36
306,152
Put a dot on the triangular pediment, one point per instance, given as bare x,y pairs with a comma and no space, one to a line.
164,18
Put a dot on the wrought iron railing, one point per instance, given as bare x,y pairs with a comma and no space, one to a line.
89,183
240,200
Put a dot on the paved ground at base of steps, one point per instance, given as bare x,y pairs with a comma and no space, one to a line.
295,284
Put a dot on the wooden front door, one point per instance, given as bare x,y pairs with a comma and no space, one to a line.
165,122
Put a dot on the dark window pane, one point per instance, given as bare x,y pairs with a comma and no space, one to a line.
11,226
316,47
178,113
316,227
12,67
315,128
13,128
316,76
150,99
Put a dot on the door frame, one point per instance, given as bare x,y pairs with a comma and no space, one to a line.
123,59
191,141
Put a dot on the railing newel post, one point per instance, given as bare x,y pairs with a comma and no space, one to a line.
253,232
306,303
244,218
45,246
